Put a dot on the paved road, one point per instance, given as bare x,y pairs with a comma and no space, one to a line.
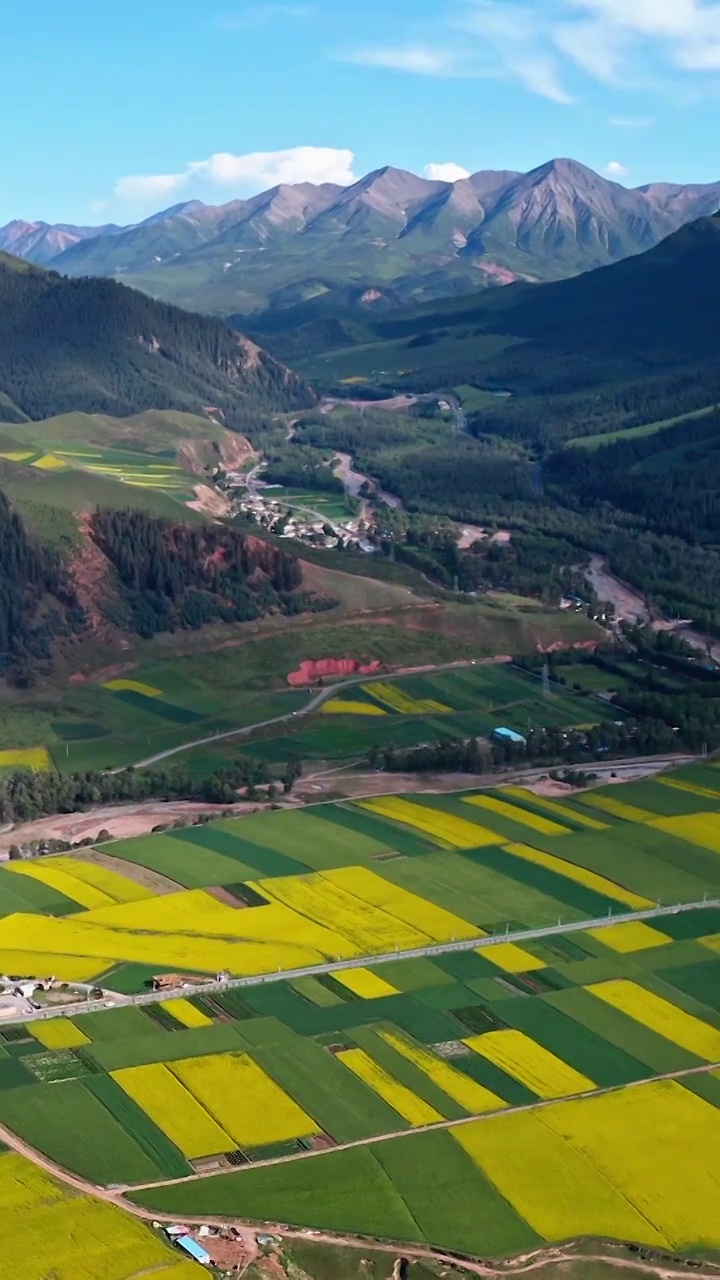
328,692
360,962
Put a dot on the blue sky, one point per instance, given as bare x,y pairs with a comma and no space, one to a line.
116,109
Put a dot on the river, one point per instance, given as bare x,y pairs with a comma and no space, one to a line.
632,607
354,480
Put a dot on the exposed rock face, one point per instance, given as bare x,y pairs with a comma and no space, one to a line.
310,670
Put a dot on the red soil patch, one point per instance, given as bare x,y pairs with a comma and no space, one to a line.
311,670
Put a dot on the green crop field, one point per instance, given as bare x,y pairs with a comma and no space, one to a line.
522,1065
359,878
404,1044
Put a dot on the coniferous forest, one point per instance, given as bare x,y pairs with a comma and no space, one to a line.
97,347
175,576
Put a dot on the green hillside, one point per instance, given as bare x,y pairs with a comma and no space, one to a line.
93,345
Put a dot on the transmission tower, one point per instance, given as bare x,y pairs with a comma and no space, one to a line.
546,680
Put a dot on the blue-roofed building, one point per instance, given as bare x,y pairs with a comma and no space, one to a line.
193,1249
503,734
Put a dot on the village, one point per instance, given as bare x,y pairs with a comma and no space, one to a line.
270,507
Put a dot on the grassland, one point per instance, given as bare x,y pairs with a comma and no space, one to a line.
55,468
386,364
634,433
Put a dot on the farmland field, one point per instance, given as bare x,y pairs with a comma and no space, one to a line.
48,1230
530,1061
159,706
337,882
551,1175
133,1094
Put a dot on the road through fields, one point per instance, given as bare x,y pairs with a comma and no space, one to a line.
518,936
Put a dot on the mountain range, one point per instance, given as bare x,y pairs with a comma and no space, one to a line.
390,238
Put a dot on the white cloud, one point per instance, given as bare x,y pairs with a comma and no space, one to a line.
631,122
677,35
510,40
539,74
449,172
616,170
247,174
663,47
415,58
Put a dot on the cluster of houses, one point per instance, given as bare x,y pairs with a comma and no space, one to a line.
300,524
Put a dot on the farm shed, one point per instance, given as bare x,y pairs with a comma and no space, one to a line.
502,734
193,1249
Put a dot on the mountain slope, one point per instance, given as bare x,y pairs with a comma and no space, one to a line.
630,343
98,347
388,239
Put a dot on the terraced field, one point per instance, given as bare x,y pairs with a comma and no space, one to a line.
486,1100
158,706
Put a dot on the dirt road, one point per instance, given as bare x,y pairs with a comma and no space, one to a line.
522,1264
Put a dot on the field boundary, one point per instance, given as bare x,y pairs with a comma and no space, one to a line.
540,1104
361,962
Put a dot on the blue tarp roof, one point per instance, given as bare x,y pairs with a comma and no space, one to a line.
195,1250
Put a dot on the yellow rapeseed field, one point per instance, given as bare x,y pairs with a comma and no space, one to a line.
185,1013
616,808
474,1097
702,829
402,703
658,1145
116,887
692,788
363,983
43,964
547,1075
50,1232
86,895
713,943
580,875
133,686
370,930
633,935
341,707
444,828
49,462
545,826
433,921
18,455
35,758
189,931
554,806
512,958
174,1110
243,1099
550,1182
407,1104
58,1033
660,1015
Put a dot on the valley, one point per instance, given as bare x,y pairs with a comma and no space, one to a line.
359,713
